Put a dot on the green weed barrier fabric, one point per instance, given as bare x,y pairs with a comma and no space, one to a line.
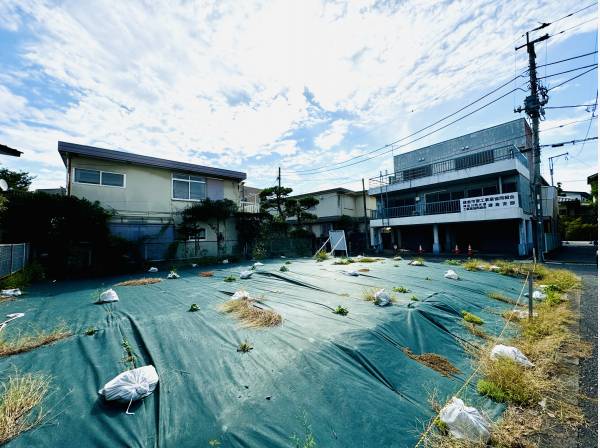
348,376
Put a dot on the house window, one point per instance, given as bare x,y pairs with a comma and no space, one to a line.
199,235
190,188
97,177
509,187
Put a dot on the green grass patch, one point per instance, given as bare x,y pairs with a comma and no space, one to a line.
472,318
502,298
33,272
229,279
283,269
321,256
453,262
340,310
400,289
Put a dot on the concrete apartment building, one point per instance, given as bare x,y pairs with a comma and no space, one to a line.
145,194
470,190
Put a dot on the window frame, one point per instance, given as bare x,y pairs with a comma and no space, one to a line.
189,182
100,184
190,238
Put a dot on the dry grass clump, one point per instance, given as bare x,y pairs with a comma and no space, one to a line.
344,261
368,259
363,270
206,274
433,361
26,342
139,282
475,264
6,298
19,395
503,298
475,330
559,279
252,315
506,381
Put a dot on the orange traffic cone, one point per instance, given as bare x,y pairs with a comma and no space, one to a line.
456,250
470,251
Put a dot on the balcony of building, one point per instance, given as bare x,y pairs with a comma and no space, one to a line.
480,208
476,164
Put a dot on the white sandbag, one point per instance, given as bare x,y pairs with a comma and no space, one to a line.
351,273
382,298
257,264
153,269
465,422
451,274
173,275
416,263
538,295
131,385
494,268
246,274
283,256
110,295
194,265
11,292
225,261
241,294
480,267
398,258
507,351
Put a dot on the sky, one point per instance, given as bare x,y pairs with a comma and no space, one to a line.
256,85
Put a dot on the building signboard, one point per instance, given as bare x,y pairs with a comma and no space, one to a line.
505,200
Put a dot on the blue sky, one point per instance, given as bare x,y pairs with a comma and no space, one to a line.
256,85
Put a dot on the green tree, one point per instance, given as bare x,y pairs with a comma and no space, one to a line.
298,209
207,212
273,199
16,180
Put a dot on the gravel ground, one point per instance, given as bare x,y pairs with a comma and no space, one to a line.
580,258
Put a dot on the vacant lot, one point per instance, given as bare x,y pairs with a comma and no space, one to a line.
359,379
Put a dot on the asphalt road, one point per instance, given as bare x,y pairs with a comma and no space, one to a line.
581,259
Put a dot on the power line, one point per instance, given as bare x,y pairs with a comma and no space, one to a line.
567,107
420,130
567,71
570,142
571,79
493,143
547,24
573,27
568,59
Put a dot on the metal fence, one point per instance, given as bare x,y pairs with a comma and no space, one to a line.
13,258
453,164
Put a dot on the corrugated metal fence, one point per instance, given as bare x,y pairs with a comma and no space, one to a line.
13,258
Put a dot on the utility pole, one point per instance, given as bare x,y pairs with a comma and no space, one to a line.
533,108
278,195
551,165
367,235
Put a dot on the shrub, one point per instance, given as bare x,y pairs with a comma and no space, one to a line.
414,298
91,331
340,310
283,269
129,358
400,289
321,255
33,272
453,262
259,252
194,308
229,279
472,318
506,381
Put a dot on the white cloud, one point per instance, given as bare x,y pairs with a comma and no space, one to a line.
334,135
226,81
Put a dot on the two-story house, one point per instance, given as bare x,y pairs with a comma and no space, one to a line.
145,194
470,190
339,207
